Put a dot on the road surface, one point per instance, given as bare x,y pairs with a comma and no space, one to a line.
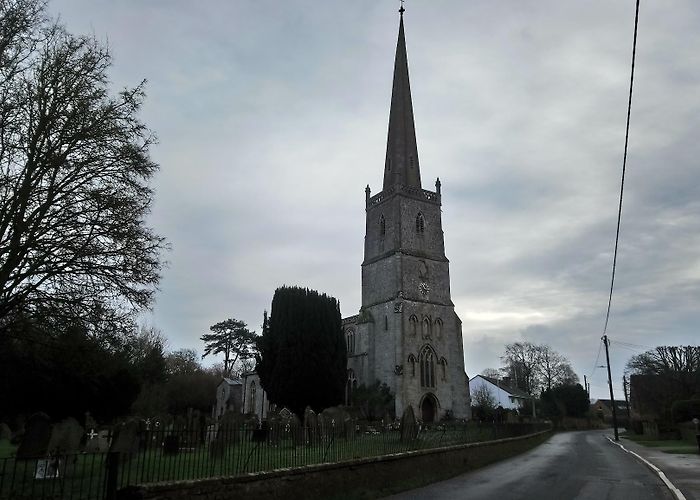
572,465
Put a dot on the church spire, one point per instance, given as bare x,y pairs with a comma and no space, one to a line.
401,164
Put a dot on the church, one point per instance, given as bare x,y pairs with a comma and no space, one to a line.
407,333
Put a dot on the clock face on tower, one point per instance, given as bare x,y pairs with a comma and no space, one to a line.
424,288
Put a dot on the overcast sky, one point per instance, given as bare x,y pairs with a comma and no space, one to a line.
272,118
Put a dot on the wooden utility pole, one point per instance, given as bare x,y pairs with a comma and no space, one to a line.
585,386
612,398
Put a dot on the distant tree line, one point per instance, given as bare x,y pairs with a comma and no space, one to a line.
541,372
665,383
533,368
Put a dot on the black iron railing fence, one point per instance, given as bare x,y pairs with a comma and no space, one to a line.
166,455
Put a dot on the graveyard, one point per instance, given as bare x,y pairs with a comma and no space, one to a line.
64,460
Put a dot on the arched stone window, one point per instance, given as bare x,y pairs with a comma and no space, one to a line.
443,366
420,224
413,325
350,339
426,359
382,226
412,364
252,396
426,328
350,386
438,328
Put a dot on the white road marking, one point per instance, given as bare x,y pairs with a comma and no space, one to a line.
667,482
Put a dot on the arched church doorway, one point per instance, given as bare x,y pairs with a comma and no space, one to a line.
428,408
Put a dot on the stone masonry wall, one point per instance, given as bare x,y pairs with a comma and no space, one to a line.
362,478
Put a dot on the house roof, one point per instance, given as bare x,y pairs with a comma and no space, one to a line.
513,391
619,404
231,381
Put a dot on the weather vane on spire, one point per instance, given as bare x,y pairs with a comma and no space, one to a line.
401,10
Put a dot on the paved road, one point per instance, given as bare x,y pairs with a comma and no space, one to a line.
573,465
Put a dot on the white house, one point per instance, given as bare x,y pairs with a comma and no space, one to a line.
507,397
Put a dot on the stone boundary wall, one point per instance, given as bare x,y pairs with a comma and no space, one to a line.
362,478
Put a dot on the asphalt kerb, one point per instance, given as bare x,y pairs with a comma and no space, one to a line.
678,493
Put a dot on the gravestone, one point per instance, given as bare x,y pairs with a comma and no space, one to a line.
311,426
126,439
90,422
409,426
5,432
97,441
276,429
227,434
66,436
36,438
261,433
338,420
210,434
171,444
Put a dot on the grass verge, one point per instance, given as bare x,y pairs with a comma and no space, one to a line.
665,445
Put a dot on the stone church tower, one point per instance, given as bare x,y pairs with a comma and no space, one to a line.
407,333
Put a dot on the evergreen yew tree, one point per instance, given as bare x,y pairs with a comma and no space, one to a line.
302,357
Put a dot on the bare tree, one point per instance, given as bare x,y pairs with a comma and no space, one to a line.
491,373
20,31
680,364
521,360
554,369
665,360
74,173
483,401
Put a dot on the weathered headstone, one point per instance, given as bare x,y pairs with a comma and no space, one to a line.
211,433
226,434
90,422
311,426
338,420
5,432
97,441
276,429
126,439
36,438
261,433
171,444
409,426
66,436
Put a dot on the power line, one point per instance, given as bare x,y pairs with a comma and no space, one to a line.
595,365
624,167
631,345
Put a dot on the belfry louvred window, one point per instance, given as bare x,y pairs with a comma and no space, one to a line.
420,223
